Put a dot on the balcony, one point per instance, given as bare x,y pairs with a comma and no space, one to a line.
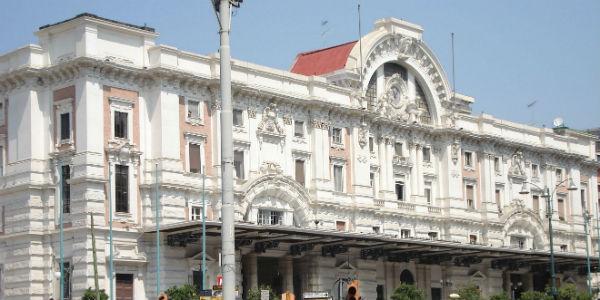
402,161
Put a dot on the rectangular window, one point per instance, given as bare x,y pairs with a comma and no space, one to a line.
196,213
371,145
65,126
122,188
399,190
583,204
561,209
124,286
427,192
193,109
66,189
340,226
338,178
194,158
432,235
269,217
336,135
398,149
405,233
238,164
468,159
535,203
517,242
121,125
376,229
559,175
299,129
372,182
470,191
426,154
497,164
563,248
498,199
472,239
535,171
67,287
238,119
300,177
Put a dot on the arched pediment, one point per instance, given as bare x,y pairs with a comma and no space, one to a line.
396,41
278,189
522,221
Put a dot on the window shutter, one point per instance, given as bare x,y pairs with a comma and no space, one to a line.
194,158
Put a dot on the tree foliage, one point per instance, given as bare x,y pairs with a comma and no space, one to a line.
254,294
470,292
408,292
535,295
91,295
501,296
184,292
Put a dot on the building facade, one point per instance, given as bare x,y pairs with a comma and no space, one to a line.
354,165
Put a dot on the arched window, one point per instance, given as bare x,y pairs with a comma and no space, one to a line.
406,277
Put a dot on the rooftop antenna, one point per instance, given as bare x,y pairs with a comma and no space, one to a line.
530,106
324,30
360,71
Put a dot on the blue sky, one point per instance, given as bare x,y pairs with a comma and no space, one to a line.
508,53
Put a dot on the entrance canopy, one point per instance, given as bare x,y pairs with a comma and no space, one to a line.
298,241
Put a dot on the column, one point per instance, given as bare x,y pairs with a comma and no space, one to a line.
252,270
320,154
287,264
412,148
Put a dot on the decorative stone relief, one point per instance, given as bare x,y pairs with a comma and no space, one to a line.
251,113
270,167
320,124
516,167
287,120
395,103
363,135
269,127
455,151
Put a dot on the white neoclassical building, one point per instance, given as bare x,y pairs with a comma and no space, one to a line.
354,165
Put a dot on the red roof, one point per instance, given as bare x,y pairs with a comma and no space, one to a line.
322,61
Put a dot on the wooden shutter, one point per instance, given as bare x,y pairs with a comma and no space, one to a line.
194,158
124,286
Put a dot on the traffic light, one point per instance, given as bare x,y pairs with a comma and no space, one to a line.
353,292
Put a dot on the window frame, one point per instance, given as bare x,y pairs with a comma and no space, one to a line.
127,186
402,231
426,158
64,106
398,149
195,139
200,111
341,167
193,215
242,165
299,124
334,137
303,162
66,189
272,215
123,106
400,183
474,186
468,159
234,112
343,223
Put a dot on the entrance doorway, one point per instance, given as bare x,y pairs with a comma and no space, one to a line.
436,294
124,286
269,275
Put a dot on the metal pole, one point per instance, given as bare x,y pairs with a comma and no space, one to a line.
96,285
598,231
203,272
61,232
157,221
586,219
549,212
110,233
227,209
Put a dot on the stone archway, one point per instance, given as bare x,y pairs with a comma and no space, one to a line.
278,192
407,277
526,224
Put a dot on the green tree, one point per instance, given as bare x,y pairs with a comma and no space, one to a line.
254,294
501,296
535,295
91,295
569,292
408,292
184,292
470,292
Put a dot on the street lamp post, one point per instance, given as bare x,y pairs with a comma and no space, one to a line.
549,213
586,220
